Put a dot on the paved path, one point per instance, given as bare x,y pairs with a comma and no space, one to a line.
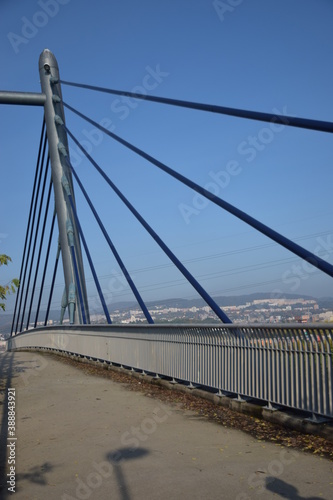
85,437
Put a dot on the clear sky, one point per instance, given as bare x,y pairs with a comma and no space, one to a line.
262,55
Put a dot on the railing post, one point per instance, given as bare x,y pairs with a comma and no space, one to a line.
57,139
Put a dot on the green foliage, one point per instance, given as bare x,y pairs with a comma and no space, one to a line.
4,259
10,287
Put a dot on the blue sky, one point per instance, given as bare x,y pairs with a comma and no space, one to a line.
263,55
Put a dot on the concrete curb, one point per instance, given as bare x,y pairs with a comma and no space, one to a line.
284,418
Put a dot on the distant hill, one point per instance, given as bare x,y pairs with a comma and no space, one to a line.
6,320
222,301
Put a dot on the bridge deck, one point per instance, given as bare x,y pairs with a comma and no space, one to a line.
81,437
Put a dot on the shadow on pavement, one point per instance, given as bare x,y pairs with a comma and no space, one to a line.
9,369
117,458
285,490
36,474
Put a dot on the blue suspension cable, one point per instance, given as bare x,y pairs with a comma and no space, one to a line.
291,121
99,290
35,242
113,249
45,268
22,286
259,226
29,221
207,298
40,249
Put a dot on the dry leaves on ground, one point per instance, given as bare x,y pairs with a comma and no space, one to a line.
259,429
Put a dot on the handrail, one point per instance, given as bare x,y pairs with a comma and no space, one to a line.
289,365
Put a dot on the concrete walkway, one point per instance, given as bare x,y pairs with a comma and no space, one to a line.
85,437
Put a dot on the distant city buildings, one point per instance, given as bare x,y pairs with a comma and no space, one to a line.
263,310
256,311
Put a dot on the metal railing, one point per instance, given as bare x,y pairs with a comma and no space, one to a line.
286,365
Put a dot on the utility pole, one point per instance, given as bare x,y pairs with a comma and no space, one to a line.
58,151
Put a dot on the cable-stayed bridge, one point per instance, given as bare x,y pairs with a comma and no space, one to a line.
282,365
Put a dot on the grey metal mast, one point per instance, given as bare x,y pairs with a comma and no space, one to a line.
58,149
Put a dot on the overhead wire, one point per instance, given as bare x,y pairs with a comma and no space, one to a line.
205,277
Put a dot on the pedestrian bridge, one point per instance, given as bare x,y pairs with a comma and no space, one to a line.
80,436
288,366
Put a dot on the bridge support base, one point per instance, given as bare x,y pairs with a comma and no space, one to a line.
270,407
191,386
317,419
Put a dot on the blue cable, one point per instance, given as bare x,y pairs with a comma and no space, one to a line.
208,299
99,290
28,225
291,121
40,249
30,241
113,249
45,268
259,226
